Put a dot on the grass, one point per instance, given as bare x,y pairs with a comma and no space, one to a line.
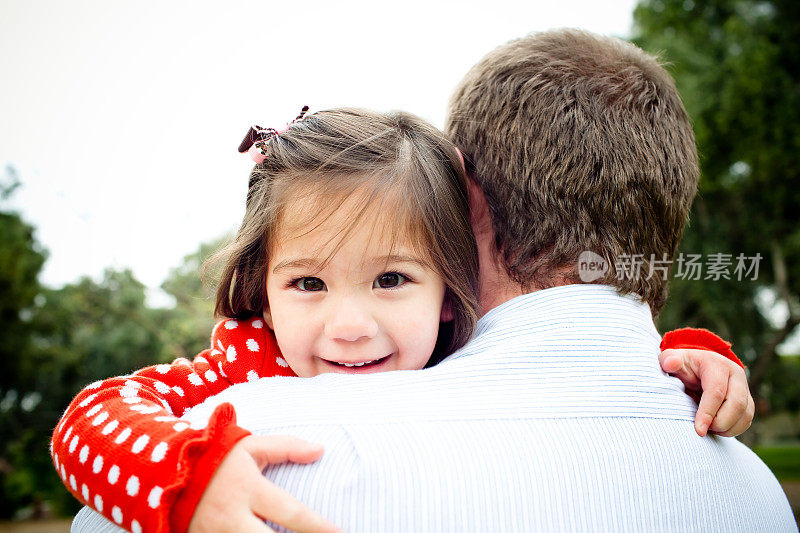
784,461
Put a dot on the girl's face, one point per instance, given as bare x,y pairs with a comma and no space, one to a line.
373,307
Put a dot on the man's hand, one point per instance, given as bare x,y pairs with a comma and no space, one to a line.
239,497
726,406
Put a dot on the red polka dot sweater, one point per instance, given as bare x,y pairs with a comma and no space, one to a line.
121,448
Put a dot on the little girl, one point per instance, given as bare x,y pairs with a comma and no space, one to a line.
355,255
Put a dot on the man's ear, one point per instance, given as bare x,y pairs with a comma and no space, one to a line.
268,318
479,211
447,310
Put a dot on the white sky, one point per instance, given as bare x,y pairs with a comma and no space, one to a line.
123,118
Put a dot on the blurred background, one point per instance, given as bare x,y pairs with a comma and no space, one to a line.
119,123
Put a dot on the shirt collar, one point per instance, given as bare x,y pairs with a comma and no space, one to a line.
574,304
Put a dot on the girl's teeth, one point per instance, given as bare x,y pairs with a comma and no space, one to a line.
350,365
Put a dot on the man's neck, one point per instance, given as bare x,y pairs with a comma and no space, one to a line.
495,287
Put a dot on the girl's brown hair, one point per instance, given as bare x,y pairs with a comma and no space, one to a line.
394,163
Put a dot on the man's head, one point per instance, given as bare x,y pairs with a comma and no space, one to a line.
578,142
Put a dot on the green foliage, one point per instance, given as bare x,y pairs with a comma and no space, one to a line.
54,342
21,259
737,66
784,461
187,326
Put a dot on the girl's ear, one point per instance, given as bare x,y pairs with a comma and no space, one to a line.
268,319
447,310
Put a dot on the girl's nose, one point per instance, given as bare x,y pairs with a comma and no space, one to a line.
349,321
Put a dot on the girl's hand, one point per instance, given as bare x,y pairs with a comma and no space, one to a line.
726,406
238,498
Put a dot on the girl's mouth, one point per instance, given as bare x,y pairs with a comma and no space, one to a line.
372,364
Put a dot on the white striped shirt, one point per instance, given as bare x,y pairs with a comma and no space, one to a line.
555,416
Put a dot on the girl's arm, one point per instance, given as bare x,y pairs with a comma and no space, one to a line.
121,449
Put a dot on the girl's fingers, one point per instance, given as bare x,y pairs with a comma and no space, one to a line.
714,379
253,524
681,363
276,449
280,507
671,361
735,415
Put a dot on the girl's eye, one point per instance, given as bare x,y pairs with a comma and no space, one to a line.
309,284
389,280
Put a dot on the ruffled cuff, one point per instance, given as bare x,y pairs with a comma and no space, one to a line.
698,339
199,459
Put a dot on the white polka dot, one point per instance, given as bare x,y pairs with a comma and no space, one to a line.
110,427
97,465
178,390
162,369
161,387
84,454
159,452
222,372
73,444
230,354
116,514
86,401
94,410
123,436
219,343
85,493
95,384
154,498
230,324
99,419
55,460
252,375
132,486
133,384
63,473
66,435
258,324
113,474
252,345
136,527
180,426
72,482
98,503
281,362
194,379
132,400
129,392
210,376
145,409
140,443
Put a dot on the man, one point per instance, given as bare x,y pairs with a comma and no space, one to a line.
556,416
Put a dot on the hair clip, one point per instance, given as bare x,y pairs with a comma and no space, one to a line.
257,137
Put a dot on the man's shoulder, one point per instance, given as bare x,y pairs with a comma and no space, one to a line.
542,474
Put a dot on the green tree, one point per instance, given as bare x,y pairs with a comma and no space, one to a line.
21,259
80,333
737,66
187,326
53,342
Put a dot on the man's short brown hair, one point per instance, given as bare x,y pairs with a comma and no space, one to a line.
579,142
